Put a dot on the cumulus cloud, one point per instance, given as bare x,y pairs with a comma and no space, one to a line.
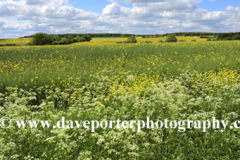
112,9
25,17
35,2
138,1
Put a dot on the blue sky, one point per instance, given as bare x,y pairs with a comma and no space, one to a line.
98,5
25,17
218,5
94,5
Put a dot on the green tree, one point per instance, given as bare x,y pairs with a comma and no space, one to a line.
236,37
131,39
69,38
56,38
81,39
171,38
209,39
41,39
87,37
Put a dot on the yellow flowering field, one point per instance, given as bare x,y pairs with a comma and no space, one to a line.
106,40
107,81
28,66
15,40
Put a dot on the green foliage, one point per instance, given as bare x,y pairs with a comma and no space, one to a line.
121,42
114,95
56,38
10,44
147,81
182,40
209,39
69,38
131,39
81,60
227,38
171,38
42,39
194,40
87,37
64,41
81,39
236,37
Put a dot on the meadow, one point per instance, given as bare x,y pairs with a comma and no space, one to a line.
15,41
102,80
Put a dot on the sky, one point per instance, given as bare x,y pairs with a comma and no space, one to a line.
20,18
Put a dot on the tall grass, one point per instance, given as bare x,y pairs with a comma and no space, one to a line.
26,67
91,81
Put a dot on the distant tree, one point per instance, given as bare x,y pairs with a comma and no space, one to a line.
69,38
171,38
41,39
209,39
156,35
214,35
63,41
81,39
56,38
131,39
87,37
236,37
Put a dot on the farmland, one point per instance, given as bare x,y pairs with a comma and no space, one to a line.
28,66
15,41
102,80
105,40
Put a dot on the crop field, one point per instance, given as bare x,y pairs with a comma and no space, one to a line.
105,40
101,80
15,41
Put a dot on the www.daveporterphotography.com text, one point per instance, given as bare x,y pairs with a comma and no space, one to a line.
180,125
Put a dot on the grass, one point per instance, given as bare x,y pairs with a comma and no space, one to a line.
102,80
105,40
117,95
29,66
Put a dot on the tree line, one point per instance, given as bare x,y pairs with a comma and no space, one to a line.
201,34
42,38
229,36
46,39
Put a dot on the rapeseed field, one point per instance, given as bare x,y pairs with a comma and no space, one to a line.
106,81
28,66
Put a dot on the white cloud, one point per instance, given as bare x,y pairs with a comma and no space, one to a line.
35,2
112,9
138,1
25,17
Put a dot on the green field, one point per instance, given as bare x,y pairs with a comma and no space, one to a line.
15,41
30,66
104,40
102,80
